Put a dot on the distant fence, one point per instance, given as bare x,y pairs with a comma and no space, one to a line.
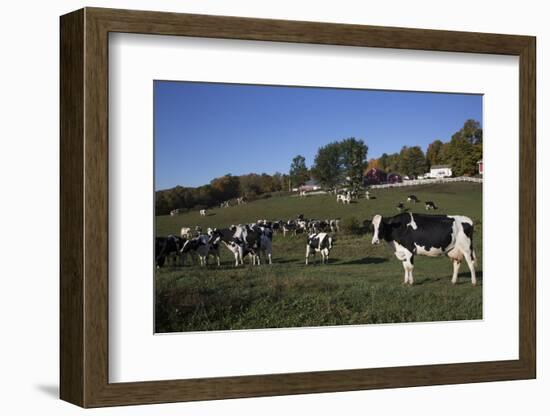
427,182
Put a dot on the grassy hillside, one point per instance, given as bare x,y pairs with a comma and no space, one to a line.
360,285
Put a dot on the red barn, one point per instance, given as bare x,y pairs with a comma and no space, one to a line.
395,178
375,177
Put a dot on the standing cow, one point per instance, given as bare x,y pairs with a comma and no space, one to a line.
167,248
319,242
428,235
202,247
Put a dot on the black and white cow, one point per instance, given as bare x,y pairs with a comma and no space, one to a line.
412,198
319,242
265,247
202,247
166,248
239,240
430,205
334,225
410,234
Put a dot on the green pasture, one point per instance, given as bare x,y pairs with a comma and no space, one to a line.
360,285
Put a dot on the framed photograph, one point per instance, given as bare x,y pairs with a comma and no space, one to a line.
255,207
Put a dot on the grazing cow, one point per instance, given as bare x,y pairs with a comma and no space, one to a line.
174,212
429,235
334,225
186,233
166,248
239,239
400,207
430,205
202,213
202,246
412,198
344,198
289,226
241,200
276,226
319,242
315,226
226,236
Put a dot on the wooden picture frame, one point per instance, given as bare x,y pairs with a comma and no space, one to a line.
84,207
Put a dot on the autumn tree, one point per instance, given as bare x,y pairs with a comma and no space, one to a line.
225,187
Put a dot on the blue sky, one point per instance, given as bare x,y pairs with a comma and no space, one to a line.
206,130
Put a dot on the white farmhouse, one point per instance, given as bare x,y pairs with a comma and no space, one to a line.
440,171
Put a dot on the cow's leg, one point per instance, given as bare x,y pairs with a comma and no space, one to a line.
471,265
307,254
408,267
236,254
269,258
218,259
406,273
456,266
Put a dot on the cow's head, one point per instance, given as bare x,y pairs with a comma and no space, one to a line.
383,228
215,236
378,228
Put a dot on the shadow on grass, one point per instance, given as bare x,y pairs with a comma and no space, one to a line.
287,261
365,260
463,278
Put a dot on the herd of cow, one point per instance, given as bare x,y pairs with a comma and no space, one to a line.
253,240
407,234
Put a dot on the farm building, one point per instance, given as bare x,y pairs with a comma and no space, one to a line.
311,185
394,178
480,167
440,171
375,177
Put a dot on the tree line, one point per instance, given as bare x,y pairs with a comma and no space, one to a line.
461,153
221,189
338,164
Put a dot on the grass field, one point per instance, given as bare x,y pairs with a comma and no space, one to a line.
360,285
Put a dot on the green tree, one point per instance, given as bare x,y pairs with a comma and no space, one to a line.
415,162
383,161
299,173
465,149
434,155
353,153
327,167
